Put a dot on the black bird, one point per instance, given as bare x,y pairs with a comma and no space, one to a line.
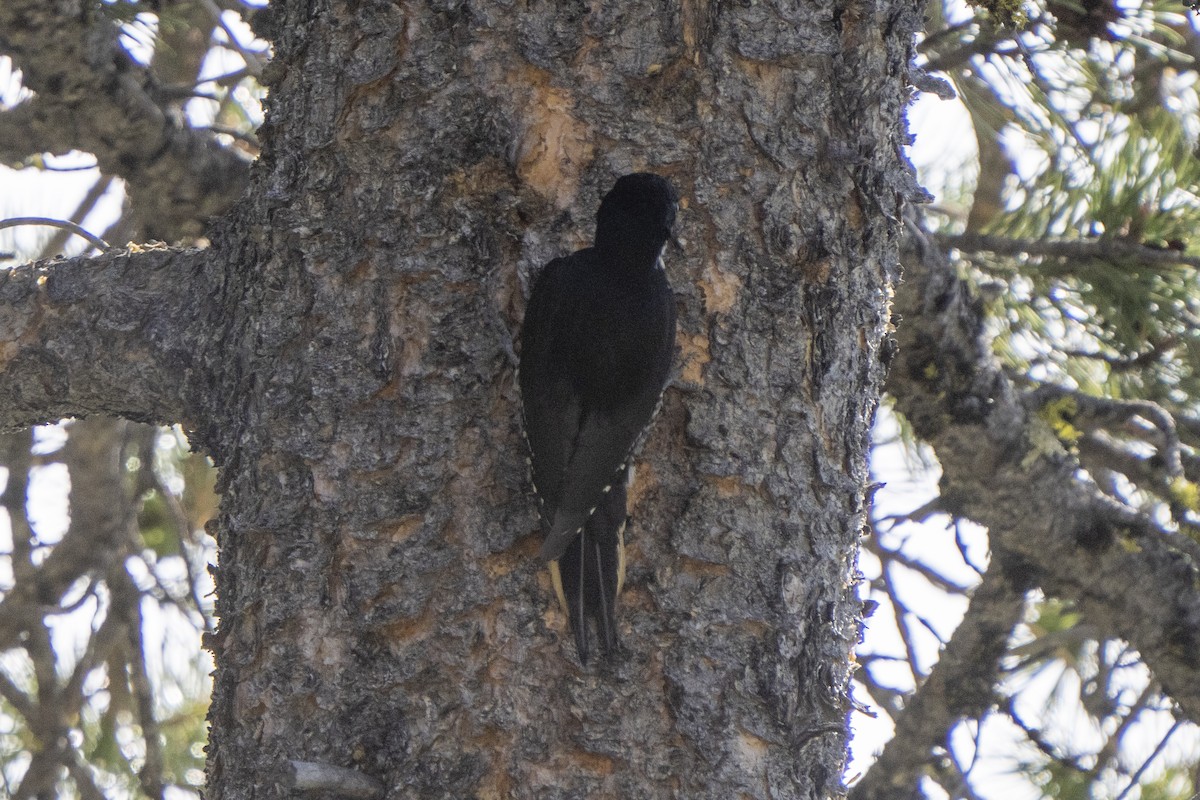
596,352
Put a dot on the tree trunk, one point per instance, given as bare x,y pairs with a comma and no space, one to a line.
382,607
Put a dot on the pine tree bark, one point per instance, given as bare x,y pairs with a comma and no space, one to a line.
381,603
382,609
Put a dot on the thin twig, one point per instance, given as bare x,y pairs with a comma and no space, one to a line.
898,611
1112,746
59,240
1105,409
1137,775
95,241
253,61
926,571
151,774
83,778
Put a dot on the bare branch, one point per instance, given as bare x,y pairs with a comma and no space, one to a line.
91,96
1107,410
59,240
1136,777
64,224
1125,575
960,685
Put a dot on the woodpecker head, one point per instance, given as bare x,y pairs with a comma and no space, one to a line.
636,217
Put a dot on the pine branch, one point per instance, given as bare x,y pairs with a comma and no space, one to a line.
1117,250
1045,516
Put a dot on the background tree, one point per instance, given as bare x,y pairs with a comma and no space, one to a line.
340,350
104,689
1047,356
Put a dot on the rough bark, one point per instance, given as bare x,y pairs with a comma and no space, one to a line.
123,334
342,353
380,600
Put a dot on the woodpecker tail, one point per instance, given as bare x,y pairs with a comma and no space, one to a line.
588,575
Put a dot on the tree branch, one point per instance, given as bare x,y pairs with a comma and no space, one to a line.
1046,519
62,224
92,96
120,334
1077,249
960,685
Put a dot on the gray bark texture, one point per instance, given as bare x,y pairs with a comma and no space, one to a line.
342,353
121,334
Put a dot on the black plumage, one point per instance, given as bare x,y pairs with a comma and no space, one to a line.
596,352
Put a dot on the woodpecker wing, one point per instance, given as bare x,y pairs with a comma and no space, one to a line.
550,405
596,352
599,454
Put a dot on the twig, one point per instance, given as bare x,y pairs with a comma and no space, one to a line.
1104,409
1137,776
1112,746
898,611
83,778
1034,735
960,685
14,222
1124,363
241,136
127,603
22,704
961,543
59,240
253,61
926,571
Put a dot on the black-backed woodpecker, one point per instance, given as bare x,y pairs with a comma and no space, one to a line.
596,351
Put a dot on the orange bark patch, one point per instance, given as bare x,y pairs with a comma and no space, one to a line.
591,762
496,785
405,527
818,271
854,211
406,629
554,146
323,488
694,348
708,569
727,486
720,289
642,480
750,751
500,564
